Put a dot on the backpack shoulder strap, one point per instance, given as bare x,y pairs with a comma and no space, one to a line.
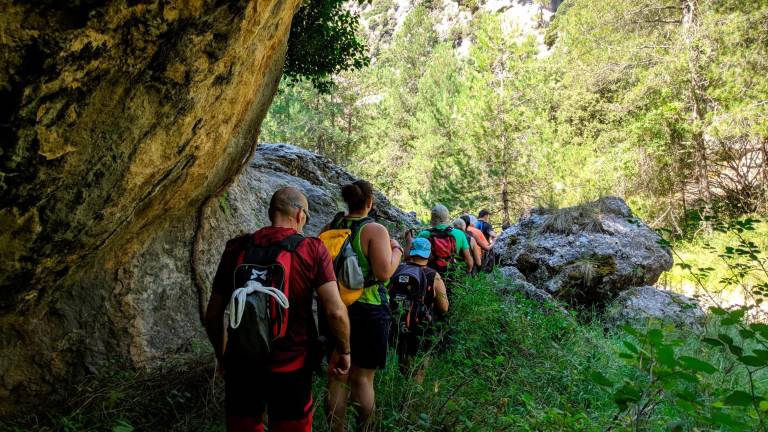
358,225
290,243
337,218
244,244
440,231
269,253
429,273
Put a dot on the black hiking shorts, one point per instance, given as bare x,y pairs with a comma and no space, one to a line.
369,327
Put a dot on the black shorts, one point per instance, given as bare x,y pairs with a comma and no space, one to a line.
369,328
409,343
286,396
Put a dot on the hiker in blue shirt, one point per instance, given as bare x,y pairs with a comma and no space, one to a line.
485,226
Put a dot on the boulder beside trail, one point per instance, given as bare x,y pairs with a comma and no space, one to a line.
639,304
243,207
119,119
146,308
586,254
514,281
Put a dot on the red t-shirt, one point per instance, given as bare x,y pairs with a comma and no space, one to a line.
311,267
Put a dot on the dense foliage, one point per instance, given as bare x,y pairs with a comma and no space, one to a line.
322,43
510,364
660,101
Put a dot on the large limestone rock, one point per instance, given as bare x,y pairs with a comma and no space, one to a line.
118,120
640,304
514,281
586,254
243,207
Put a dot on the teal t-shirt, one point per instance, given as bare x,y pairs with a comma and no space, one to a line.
461,238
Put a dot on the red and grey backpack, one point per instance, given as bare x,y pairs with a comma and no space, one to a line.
258,309
444,251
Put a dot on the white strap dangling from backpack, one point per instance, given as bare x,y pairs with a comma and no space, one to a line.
237,303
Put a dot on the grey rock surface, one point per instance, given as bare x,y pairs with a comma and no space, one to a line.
639,304
512,273
243,207
514,281
143,305
119,120
585,254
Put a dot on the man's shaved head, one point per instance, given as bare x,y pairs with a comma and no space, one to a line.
285,201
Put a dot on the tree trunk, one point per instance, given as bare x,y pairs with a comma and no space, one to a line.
505,200
764,188
697,96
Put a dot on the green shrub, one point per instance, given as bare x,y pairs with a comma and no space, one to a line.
323,42
709,381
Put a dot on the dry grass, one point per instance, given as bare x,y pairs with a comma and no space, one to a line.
587,272
181,395
573,220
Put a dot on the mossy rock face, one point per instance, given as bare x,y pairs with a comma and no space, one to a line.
119,120
604,265
584,281
586,254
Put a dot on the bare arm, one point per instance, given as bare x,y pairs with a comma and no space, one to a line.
382,254
441,294
336,312
408,240
467,255
475,251
214,323
338,321
484,244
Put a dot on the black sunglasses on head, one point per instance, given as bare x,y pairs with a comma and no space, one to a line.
306,211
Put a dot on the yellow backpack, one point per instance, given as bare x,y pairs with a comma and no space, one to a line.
338,240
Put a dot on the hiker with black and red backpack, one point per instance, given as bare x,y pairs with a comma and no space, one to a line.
364,258
448,244
269,280
417,296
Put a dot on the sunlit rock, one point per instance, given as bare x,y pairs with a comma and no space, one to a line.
585,254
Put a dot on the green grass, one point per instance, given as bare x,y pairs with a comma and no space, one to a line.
704,251
512,364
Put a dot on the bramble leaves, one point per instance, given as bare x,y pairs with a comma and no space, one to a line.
751,360
738,398
666,356
626,394
600,379
696,365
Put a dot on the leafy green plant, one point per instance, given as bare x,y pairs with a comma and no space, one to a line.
323,42
122,425
224,203
721,383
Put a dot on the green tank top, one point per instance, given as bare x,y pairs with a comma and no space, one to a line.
376,293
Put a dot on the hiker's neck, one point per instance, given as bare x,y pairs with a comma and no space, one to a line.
285,222
358,213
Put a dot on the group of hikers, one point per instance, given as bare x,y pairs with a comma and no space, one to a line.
344,296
